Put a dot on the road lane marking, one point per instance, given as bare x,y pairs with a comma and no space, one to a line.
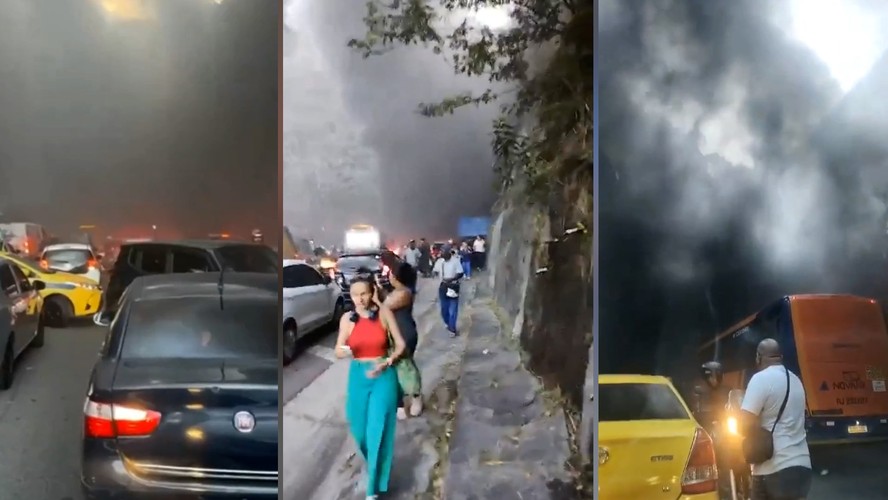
325,422
323,352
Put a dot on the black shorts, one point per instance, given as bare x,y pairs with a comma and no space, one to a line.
791,483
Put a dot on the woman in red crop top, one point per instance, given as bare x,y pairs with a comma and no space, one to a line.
372,401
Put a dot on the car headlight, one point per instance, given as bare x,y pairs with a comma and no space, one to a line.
733,428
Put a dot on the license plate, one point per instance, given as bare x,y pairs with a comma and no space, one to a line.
857,429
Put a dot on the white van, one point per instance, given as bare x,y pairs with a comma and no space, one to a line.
26,237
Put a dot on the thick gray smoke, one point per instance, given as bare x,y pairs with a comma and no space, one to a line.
419,174
128,113
733,171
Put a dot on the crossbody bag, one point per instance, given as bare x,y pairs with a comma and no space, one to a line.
758,445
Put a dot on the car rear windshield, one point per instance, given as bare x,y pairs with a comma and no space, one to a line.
248,259
73,257
198,328
352,264
32,266
622,402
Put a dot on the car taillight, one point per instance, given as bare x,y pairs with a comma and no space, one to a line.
700,474
93,263
44,264
104,420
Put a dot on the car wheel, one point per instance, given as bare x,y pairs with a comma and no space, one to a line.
338,311
7,366
58,311
40,338
289,343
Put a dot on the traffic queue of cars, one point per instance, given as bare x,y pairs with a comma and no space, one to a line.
316,296
36,296
183,400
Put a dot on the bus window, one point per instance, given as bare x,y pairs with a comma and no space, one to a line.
738,350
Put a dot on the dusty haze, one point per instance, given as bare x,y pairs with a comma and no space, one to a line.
163,113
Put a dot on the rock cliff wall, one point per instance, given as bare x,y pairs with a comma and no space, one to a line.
540,262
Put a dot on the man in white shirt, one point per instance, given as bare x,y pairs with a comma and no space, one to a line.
449,269
787,474
478,252
411,255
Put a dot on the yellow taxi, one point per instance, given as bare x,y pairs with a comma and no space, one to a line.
66,296
649,444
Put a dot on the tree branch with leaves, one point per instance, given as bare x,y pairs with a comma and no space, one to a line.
545,128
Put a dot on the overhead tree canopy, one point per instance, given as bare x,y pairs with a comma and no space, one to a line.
558,97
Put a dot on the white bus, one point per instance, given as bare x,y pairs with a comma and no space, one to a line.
363,238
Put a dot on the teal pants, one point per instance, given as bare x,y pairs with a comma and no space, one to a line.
370,409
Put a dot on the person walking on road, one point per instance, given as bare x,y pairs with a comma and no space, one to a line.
479,252
412,254
450,271
465,258
775,402
370,334
400,300
425,258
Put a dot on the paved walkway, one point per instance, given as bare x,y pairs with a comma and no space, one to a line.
486,432
319,457
508,441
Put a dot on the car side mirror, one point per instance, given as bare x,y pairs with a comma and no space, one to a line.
100,320
38,285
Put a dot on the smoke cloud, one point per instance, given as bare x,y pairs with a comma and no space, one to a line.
732,172
411,175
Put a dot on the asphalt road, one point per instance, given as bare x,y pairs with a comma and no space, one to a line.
41,416
851,471
315,356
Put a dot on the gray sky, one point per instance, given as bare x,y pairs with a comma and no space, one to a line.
431,171
163,112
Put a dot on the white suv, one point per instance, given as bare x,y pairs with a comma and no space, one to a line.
311,301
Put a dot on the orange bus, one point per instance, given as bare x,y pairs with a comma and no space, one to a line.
836,344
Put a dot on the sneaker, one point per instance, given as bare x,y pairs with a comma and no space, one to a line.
452,334
402,415
416,406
